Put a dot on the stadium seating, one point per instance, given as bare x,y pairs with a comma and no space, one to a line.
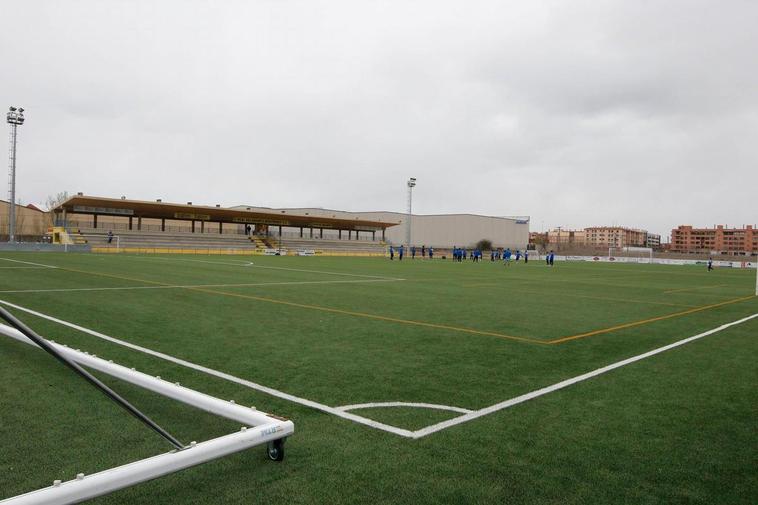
134,239
167,240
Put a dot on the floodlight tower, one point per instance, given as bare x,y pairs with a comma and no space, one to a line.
411,185
15,118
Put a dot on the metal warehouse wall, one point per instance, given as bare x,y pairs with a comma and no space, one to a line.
439,230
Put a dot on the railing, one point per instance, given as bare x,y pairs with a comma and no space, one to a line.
211,229
364,237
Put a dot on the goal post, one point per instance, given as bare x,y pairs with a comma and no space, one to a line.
642,254
258,428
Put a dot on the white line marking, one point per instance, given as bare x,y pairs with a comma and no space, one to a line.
251,264
222,375
190,286
339,411
29,263
568,382
435,406
23,268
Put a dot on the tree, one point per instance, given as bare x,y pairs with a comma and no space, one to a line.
484,245
53,201
541,240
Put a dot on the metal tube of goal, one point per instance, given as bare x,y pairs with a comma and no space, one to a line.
41,342
86,487
229,409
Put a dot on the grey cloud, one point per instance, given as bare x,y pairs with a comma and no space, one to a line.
577,113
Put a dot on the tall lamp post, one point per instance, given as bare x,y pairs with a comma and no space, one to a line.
411,185
15,118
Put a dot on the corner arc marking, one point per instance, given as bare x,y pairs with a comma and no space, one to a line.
419,405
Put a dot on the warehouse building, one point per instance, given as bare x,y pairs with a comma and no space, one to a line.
435,230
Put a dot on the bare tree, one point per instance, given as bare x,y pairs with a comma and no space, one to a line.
53,201
20,219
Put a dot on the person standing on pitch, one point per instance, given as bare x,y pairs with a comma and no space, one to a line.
710,264
547,258
518,255
413,252
526,256
400,252
110,236
423,251
392,253
431,252
552,258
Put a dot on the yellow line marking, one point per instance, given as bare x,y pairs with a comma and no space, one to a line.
627,300
647,321
327,309
433,325
695,289
373,316
591,297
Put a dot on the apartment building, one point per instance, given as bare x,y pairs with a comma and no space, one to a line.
653,241
616,236
566,237
718,240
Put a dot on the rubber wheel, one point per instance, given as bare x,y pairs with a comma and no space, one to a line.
275,450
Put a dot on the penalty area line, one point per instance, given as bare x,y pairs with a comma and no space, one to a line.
569,382
250,264
194,286
41,265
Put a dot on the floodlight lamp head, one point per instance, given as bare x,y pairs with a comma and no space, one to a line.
412,182
15,116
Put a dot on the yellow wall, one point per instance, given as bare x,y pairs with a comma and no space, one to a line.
29,222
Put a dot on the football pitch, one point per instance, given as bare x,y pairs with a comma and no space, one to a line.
408,382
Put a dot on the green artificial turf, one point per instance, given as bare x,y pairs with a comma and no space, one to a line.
678,427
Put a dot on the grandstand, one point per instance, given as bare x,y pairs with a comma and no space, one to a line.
147,241
149,227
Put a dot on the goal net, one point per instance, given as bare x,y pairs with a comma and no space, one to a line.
634,254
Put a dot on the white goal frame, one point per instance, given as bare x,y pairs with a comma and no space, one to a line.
258,428
647,250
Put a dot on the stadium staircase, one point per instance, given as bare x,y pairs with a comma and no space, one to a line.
76,236
259,242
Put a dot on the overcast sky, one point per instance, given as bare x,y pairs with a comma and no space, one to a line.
577,113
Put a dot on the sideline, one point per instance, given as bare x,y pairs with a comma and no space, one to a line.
341,411
568,382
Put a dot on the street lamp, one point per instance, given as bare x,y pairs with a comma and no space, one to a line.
15,118
411,185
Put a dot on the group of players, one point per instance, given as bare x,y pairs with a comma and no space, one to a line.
461,253
400,250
